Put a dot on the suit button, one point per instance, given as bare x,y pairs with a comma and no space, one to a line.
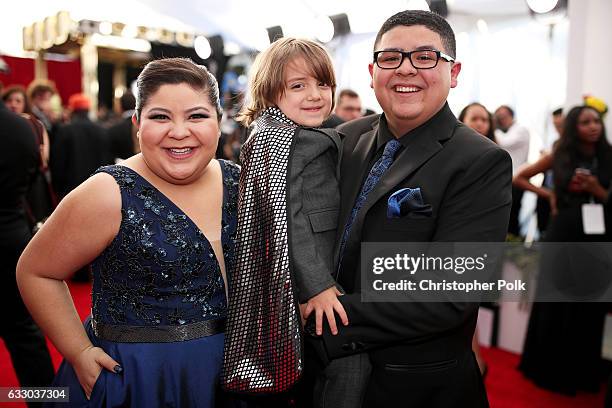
352,346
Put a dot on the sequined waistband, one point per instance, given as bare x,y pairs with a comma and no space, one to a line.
157,334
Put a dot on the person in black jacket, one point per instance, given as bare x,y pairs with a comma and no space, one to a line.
122,136
79,148
18,164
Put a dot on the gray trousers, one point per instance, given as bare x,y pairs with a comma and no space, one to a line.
342,384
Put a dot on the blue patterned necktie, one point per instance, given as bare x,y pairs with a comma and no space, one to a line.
376,172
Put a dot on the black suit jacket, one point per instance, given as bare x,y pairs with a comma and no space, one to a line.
120,139
80,147
420,351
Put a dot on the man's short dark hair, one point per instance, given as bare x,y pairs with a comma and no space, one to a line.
348,93
432,21
506,107
127,102
39,87
557,112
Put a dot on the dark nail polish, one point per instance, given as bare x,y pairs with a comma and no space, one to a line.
118,369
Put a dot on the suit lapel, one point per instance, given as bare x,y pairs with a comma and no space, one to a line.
353,171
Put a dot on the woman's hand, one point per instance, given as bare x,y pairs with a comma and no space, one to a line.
588,183
552,200
89,363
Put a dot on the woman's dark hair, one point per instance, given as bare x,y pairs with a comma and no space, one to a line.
491,133
175,71
18,89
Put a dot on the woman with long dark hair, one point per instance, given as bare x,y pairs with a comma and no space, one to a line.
563,344
476,116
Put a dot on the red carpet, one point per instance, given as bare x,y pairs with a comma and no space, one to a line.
81,294
506,386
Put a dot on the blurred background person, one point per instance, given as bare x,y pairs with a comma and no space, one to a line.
476,116
515,139
16,100
106,117
542,203
40,93
348,107
122,136
558,119
40,198
81,146
19,161
562,350
233,133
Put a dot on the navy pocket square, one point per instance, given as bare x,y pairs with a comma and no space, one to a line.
407,201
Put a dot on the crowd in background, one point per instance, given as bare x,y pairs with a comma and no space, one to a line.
70,147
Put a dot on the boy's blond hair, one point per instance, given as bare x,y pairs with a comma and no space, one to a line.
267,76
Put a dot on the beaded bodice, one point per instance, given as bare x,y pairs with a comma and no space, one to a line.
160,269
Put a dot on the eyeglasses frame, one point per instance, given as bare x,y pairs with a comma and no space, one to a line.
408,54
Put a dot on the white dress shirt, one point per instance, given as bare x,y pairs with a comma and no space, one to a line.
516,142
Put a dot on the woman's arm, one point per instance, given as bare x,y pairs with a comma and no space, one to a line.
84,223
521,179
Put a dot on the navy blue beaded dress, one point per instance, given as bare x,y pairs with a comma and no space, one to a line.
159,272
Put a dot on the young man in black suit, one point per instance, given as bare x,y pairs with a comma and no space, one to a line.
420,352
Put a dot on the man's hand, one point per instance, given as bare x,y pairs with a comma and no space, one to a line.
326,303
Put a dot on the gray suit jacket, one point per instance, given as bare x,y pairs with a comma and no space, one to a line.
313,204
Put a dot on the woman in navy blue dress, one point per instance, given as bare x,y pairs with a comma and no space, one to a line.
158,231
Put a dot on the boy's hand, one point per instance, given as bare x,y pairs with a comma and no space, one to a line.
326,302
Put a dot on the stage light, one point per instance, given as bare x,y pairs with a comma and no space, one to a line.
119,91
85,26
324,29
482,25
548,11
202,47
185,39
341,24
274,33
439,7
105,28
541,6
216,44
129,31
153,34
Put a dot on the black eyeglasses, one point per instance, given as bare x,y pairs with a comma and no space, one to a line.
420,59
